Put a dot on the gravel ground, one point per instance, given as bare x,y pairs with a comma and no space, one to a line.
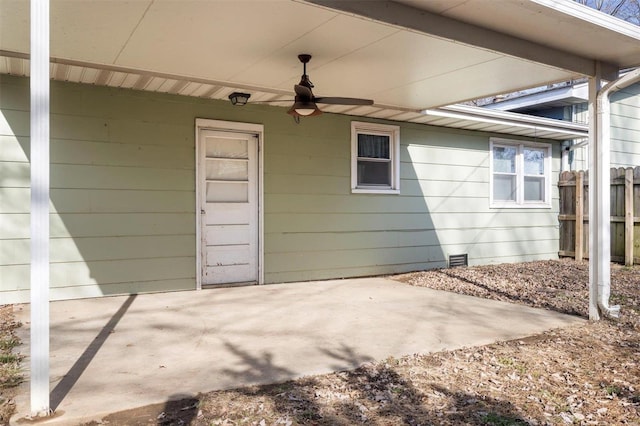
585,374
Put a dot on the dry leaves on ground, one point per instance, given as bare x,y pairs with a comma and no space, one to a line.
585,374
10,373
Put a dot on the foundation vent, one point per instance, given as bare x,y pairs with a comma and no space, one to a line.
458,260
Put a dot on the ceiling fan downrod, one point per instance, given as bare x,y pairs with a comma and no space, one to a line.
305,58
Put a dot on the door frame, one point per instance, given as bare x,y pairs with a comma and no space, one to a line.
235,127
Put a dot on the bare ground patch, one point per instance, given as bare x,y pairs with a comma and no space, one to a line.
10,372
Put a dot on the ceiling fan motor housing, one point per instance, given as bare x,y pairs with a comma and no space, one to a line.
305,101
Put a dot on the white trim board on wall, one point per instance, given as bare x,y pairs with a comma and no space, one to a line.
236,127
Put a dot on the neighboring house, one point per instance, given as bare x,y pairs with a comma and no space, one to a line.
568,101
158,183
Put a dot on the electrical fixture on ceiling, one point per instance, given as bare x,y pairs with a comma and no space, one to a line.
238,98
305,103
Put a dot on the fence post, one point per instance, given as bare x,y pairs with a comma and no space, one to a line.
579,216
628,217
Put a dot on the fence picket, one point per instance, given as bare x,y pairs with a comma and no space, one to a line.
625,214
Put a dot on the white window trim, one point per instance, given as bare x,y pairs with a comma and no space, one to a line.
520,203
376,129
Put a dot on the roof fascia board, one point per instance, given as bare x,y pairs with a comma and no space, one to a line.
571,130
425,22
514,116
592,16
540,98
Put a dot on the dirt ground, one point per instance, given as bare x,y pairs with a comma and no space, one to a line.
584,374
10,373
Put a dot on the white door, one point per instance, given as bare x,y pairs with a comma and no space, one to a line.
228,181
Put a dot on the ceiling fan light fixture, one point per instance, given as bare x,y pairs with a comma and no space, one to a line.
304,109
238,98
305,104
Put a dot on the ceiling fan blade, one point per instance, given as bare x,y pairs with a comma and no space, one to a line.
303,91
273,101
342,101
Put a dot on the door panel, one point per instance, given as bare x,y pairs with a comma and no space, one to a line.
228,255
232,274
227,192
221,235
229,185
229,214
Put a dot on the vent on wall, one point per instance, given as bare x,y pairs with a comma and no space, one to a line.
457,260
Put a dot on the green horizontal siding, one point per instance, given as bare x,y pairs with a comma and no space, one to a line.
421,154
305,165
102,201
111,289
78,249
382,257
16,226
123,211
424,171
97,273
462,239
367,204
509,258
82,152
122,197
315,228
14,148
105,177
369,270
316,222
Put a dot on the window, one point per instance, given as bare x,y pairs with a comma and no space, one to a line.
520,174
375,158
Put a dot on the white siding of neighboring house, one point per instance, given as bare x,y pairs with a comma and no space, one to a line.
625,127
625,130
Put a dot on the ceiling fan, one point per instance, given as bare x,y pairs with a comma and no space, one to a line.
305,102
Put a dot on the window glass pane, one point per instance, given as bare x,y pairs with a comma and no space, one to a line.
504,188
533,161
374,173
504,159
220,169
373,146
226,148
534,188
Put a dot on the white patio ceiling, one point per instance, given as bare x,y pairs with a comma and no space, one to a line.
429,53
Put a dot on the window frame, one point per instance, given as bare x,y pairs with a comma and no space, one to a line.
520,202
393,132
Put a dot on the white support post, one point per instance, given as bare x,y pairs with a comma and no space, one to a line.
39,139
599,192
596,231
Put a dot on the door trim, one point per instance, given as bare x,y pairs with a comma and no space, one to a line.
235,127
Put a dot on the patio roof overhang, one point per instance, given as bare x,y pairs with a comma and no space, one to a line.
456,116
407,55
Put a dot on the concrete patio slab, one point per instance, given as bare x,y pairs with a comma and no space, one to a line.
115,353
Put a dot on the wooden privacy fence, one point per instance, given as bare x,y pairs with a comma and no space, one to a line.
625,215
